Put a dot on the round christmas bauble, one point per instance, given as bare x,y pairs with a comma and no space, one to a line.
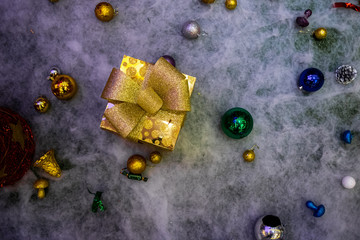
320,33
208,1
155,157
136,164
104,12
230,4
170,60
307,13
53,1
269,227
302,21
345,74
17,147
237,123
191,30
63,87
42,104
348,182
249,155
311,80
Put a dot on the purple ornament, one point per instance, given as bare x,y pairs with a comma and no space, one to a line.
170,59
302,21
308,13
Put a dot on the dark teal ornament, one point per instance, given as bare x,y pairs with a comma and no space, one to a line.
237,123
347,136
318,210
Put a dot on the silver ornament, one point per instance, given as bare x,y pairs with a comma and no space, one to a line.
53,72
269,227
345,74
191,30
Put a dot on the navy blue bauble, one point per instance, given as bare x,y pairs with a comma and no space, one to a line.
311,80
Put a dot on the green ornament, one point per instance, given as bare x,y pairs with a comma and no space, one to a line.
97,203
237,123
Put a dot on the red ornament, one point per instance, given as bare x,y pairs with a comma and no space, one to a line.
17,147
346,5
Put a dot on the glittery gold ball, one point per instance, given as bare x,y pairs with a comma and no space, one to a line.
53,1
63,87
155,157
136,164
230,4
104,11
41,104
249,155
320,33
208,1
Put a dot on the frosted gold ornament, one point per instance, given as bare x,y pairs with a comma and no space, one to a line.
41,184
249,155
42,104
230,4
320,33
208,1
155,157
104,12
49,164
136,164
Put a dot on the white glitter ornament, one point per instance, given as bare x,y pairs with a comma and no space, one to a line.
348,182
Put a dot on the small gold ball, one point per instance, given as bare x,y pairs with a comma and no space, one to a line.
155,157
41,104
63,87
231,4
136,164
53,1
208,1
320,33
104,11
249,155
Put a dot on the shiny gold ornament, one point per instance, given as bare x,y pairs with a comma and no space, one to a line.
230,4
136,164
41,104
208,1
53,1
104,12
155,157
41,184
63,87
320,33
249,155
48,163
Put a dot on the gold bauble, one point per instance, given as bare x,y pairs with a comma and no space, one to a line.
63,87
53,1
41,104
136,164
208,1
249,155
230,4
320,33
155,157
104,11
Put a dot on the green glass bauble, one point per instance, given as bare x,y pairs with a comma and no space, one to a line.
237,123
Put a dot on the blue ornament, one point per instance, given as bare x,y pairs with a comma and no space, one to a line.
318,210
346,136
311,80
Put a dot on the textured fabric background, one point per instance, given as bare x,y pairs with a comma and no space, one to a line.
250,57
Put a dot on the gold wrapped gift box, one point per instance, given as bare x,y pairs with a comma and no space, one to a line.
146,102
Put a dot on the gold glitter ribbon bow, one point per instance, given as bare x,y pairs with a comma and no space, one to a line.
162,92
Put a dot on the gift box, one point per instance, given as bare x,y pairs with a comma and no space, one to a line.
147,103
